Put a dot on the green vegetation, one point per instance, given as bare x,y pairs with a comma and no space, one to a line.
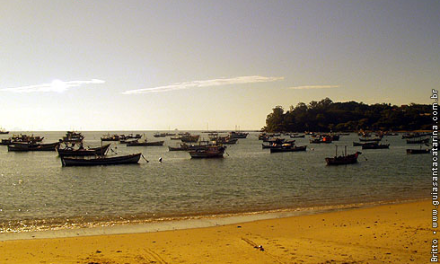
326,115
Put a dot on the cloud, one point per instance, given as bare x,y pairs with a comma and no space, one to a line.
55,86
306,87
206,83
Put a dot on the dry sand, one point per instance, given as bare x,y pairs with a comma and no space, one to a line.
398,233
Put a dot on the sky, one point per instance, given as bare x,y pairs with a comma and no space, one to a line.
194,65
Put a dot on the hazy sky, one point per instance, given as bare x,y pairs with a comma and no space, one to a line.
137,65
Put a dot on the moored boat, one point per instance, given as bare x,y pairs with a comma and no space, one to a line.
73,137
322,139
30,146
343,159
366,139
145,143
417,141
418,151
71,152
209,151
236,134
100,160
291,148
375,146
359,144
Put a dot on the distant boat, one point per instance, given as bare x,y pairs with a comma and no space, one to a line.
73,137
23,138
322,139
375,146
365,139
211,150
109,137
235,134
417,141
145,143
343,159
3,132
70,152
181,147
290,148
98,161
188,138
415,135
29,146
158,134
418,151
364,143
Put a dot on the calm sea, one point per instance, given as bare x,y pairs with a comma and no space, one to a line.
37,193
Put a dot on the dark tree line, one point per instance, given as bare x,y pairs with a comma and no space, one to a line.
326,116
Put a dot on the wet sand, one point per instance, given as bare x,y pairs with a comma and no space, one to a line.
397,233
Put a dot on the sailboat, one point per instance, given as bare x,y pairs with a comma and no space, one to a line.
343,159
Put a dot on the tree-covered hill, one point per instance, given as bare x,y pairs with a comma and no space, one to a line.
326,115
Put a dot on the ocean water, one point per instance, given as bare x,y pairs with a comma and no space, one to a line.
37,193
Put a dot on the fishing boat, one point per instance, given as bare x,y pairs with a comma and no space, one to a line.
343,159
365,139
359,144
321,139
227,140
3,131
129,137
417,141
289,148
159,134
418,151
5,142
145,143
188,138
23,138
236,134
214,151
278,144
30,146
375,146
180,147
81,152
73,137
101,160
109,137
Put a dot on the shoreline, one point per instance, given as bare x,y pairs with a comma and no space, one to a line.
391,233
180,222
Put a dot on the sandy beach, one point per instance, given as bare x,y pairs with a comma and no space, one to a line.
396,233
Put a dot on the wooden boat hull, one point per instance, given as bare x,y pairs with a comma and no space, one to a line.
135,144
369,139
419,141
292,149
101,161
33,147
98,151
376,146
342,160
359,144
418,151
207,153
176,148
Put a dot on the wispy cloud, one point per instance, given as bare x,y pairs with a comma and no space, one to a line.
206,83
55,86
305,87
